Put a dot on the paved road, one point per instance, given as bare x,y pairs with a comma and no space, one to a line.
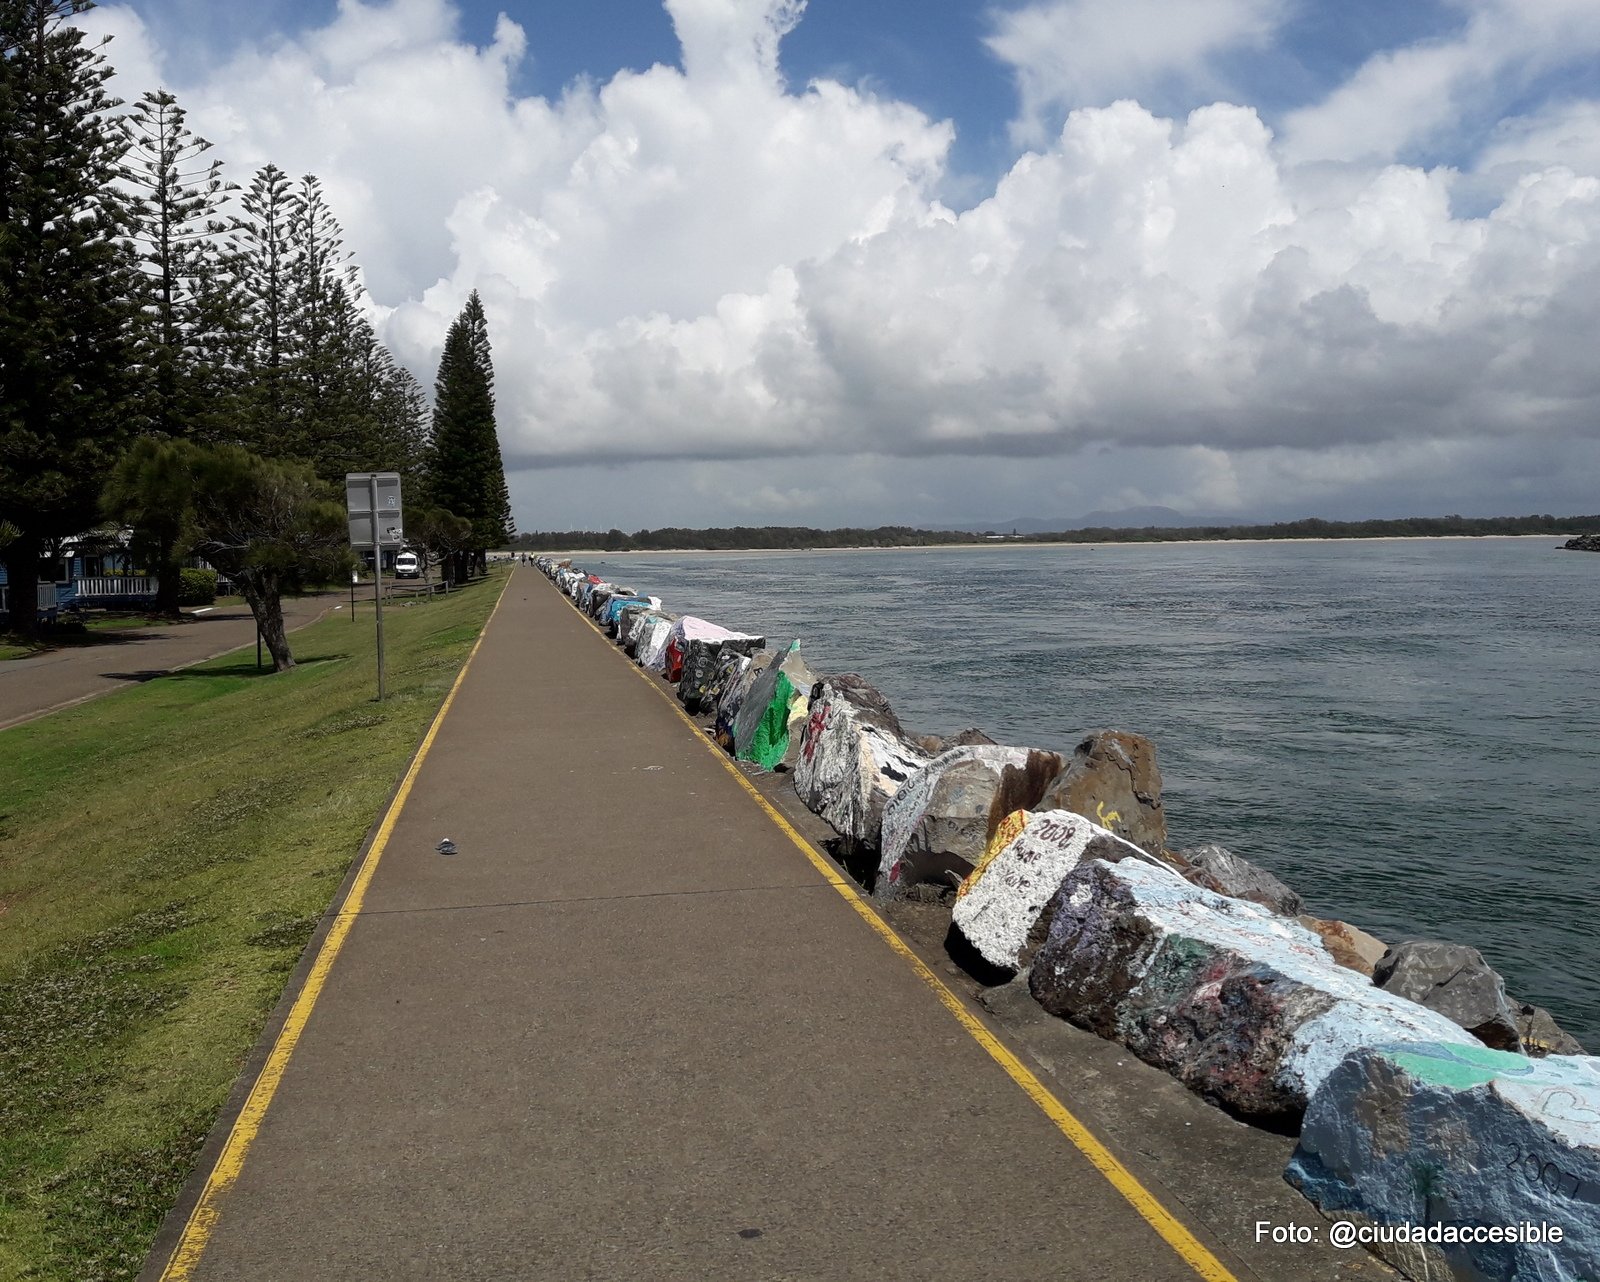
31,687
627,1031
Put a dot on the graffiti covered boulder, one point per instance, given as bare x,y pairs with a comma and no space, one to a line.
1000,907
936,826
1442,1135
853,758
774,709
1240,1004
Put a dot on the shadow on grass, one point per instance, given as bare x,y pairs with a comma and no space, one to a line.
232,670
247,668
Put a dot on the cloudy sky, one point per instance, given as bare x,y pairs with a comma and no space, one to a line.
863,261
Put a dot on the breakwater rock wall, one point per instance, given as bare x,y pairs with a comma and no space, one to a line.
1057,873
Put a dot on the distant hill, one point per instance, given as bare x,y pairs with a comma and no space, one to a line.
1127,518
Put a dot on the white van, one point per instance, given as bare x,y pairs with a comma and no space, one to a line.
407,565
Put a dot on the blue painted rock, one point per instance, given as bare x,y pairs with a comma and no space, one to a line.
1240,1004
1461,1135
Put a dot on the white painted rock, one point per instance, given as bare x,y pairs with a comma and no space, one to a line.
853,758
653,643
1461,1135
936,825
998,906
1240,1004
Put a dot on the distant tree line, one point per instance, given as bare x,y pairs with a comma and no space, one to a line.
1315,528
192,360
741,536
893,536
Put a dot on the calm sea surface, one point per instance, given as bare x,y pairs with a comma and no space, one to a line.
1407,732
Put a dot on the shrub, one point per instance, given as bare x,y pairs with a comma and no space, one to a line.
197,587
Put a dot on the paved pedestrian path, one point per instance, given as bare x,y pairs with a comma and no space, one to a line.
629,1031
58,679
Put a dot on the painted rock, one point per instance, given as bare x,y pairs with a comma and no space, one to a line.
1447,1136
936,826
734,696
731,664
1541,1035
761,728
853,758
1001,906
627,619
700,664
653,644
1238,1003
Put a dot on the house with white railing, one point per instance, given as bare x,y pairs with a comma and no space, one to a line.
88,569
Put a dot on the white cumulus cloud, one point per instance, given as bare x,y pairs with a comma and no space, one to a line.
702,263
1085,53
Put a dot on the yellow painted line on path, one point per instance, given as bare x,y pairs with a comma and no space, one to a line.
230,1162
1172,1230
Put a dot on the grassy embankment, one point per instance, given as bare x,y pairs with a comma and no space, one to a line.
165,853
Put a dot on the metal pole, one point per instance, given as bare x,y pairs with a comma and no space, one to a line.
352,596
377,576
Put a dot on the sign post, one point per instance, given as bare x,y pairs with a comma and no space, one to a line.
372,502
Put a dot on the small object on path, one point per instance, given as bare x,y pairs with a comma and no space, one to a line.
446,847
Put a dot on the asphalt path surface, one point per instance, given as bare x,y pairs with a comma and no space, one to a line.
621,1026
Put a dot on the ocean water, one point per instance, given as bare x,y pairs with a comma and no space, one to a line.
1407,732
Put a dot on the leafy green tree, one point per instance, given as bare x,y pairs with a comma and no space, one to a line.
65,284
402,409
269,525
441,538
467,476
151,489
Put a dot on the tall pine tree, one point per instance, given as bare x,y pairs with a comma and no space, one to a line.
175,228
66,277
260,249
467,476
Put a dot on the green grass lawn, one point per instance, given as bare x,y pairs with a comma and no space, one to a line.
165,853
